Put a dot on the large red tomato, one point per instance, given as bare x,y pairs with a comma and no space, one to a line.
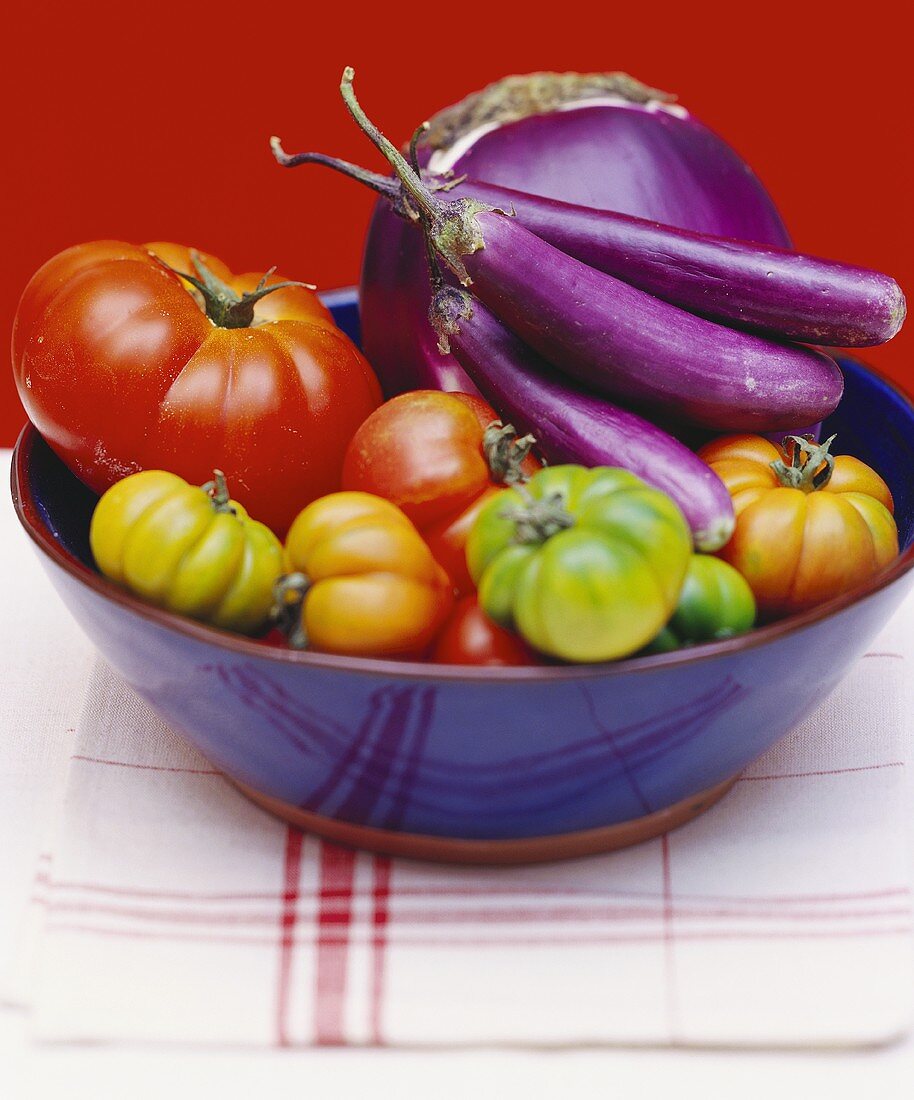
123,366
425,451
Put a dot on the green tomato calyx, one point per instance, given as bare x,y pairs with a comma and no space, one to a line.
506,453
810,466
288,599
224,306
535,521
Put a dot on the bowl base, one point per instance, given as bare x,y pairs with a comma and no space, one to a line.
543,849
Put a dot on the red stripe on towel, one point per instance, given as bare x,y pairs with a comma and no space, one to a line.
379,918
291,884
337,874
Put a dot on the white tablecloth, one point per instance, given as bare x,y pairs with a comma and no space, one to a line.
47,662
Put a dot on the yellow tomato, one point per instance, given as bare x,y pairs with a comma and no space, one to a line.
188,549
809,526
371,586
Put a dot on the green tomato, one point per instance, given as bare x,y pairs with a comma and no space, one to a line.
716,602
587,564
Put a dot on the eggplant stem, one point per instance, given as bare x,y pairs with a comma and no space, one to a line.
384,185
418,133
420,196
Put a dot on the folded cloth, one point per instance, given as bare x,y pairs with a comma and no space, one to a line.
174,910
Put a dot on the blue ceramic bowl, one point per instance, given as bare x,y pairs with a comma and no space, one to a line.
479,764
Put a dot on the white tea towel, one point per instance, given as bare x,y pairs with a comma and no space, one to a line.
174,910
46,662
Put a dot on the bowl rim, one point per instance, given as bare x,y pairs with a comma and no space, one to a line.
243,646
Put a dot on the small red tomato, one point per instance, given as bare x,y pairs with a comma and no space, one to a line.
469,637
424,452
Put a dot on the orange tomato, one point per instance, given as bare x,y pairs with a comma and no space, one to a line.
373,588
809,526
424,452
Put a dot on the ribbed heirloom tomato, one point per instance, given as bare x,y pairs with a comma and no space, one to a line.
188,549
586,564
429,453
361,581
123,366
809,526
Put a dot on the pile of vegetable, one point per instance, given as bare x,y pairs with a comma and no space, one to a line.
569,285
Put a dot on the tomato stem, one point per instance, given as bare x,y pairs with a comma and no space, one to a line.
217,489
224,306
810,467
288,604
535,521
506,453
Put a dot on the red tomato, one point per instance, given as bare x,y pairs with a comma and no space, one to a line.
469,637
121,369
424,452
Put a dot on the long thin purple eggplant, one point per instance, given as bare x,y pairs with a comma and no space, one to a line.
626,343
572,425
771,291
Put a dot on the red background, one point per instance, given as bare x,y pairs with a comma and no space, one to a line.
152,122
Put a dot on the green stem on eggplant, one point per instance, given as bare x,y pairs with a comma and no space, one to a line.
453,231
384,185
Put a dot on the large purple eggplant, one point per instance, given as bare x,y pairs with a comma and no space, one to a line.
601,140
612,336
572,425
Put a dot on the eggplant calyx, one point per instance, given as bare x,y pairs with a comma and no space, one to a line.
217,491
288,597
448,308
810,467
455,233
506,452
537,520
224,306
517,97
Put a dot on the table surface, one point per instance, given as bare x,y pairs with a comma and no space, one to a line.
32,1070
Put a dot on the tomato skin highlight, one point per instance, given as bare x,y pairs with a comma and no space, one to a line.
424,452
375,590
587,564
121,370
799,546
470,637
171,544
